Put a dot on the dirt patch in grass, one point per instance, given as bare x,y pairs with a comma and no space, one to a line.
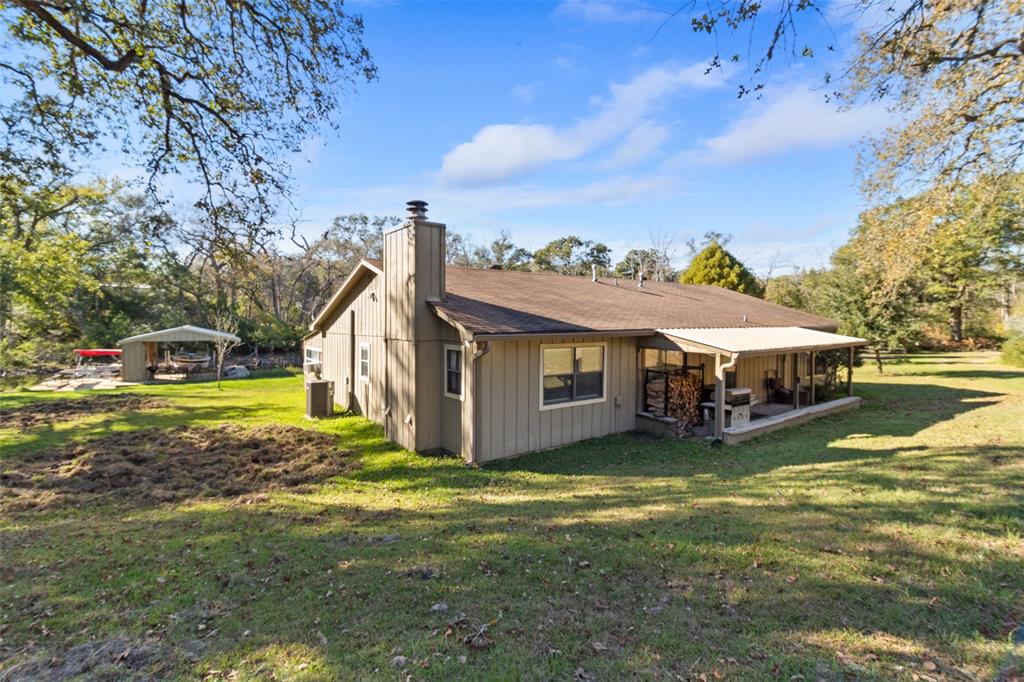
66,409
118,658
159,465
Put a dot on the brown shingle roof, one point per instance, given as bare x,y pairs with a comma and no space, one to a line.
488,302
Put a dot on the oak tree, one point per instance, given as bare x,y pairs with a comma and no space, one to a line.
222,92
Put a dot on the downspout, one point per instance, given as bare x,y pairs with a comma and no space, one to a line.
730,364
483,348
720,392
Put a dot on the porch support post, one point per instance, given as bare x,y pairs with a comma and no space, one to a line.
720,368
849,373
796,381
813,363
719,397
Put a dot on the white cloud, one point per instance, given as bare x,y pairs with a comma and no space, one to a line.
459,206
502,151
608,11
795,119
640,143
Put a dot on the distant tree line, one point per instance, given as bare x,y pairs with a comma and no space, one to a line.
933,269
88,265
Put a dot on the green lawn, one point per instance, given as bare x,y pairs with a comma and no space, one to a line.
885,543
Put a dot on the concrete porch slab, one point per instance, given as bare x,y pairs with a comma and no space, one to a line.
738,434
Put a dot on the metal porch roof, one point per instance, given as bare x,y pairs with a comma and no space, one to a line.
759,340
181,335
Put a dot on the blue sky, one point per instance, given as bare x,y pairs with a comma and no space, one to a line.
549,119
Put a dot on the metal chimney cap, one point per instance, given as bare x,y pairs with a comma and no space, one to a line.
416,208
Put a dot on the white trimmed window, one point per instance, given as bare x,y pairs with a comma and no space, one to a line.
572,375
453,371
311,363
364,361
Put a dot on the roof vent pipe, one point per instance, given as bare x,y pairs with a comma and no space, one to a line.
593,272
640,280
416,209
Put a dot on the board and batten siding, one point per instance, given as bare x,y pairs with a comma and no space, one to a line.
361,306
133,361
414,274
452,409
750,373
509,419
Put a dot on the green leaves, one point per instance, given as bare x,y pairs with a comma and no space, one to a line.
716,266
937,260
221,92
572,256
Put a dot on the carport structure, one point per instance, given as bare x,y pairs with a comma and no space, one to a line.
139,353
730,345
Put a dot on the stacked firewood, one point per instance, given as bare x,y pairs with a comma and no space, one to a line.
684,392
656,396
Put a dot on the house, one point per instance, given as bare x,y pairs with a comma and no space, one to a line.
491,364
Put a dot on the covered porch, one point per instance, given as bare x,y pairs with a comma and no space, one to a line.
732,384
179,353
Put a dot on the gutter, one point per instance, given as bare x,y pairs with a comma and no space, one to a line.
483,348
563,332
731,363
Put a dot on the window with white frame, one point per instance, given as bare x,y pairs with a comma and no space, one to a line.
311,363
453,371
364,361
572,374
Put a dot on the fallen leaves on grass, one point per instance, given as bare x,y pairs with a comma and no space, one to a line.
66,409
474,632
157,465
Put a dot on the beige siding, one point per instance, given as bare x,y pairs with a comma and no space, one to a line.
399,276
414,274
362,306
510,421
750,373
391,314
452,409
133,361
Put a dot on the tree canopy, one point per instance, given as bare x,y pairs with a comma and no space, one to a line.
934,264
222,92
502,253
652,263
572,256
716,266
950,70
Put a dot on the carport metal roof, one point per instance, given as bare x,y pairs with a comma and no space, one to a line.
181,335
749,341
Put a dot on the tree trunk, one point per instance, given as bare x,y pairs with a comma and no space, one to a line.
878,359
956,322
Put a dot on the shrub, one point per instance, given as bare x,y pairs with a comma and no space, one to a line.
1013,351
